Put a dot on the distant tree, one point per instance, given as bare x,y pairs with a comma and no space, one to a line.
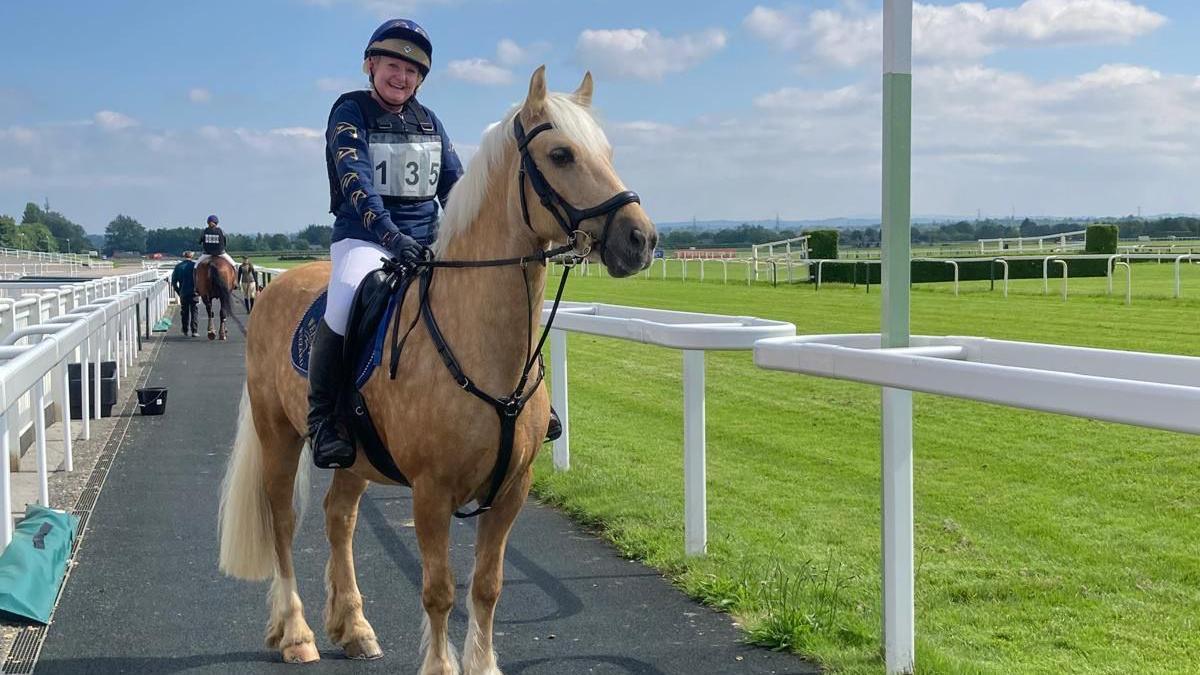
279,242
39,238
173,240
241,243
70,236
33,214
317,235
9,234
124,234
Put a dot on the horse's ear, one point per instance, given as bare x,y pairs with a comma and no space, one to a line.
583,95
535,102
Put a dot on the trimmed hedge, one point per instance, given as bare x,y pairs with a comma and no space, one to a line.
933,271
1101,239
823,245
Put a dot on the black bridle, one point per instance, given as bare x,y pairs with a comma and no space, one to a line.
552,201
509,407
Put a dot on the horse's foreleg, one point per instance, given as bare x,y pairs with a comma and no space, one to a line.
431,516
287,630
344,620
490,541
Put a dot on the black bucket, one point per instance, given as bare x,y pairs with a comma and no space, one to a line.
152,400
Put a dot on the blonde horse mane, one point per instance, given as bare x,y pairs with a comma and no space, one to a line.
467,198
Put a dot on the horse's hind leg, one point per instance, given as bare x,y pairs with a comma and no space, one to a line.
287,630
431,516
208,310
488,578
344,620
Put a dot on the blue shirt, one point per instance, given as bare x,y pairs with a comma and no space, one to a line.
183,279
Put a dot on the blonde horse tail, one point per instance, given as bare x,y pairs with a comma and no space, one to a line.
247,535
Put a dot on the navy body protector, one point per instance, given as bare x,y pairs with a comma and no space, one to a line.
413,123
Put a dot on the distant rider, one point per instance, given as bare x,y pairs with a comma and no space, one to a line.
213,241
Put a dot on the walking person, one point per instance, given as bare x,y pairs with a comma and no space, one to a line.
183,281
247,278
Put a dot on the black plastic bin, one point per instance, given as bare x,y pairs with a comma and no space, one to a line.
152,400
108,388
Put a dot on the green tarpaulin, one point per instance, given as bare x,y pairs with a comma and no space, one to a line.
33,565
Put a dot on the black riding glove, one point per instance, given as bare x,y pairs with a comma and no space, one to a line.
403,247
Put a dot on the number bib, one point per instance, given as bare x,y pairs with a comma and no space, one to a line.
406,166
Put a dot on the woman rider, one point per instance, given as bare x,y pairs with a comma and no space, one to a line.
388,158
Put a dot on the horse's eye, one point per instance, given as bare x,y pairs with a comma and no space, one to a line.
562,156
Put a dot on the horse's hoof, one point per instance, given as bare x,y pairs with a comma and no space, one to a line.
305,652
212,335
366,649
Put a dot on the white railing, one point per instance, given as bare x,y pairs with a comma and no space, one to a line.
40,334
1160,391
1059,242
787,258
16,263
691,332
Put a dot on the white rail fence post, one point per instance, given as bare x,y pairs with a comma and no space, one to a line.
691,332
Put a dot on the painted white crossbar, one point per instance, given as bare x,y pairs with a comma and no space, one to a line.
1160,391
692,332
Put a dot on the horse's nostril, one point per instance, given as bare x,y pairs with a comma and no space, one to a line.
654,240
637,238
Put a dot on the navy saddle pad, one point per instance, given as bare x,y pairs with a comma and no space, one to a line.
364,362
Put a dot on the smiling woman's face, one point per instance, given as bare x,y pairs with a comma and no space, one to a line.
395,80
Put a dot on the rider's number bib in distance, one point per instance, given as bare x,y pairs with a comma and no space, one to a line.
406,166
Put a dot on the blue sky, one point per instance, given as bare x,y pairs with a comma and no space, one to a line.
168,111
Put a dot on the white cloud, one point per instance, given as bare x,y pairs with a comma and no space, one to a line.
851,36
264,179
199,95
114,121
509,53
645,54
498,71
800,100
1101,142
479,71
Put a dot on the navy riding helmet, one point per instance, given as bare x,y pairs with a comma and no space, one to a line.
403,39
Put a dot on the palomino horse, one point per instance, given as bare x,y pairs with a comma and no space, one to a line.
517,198
214,279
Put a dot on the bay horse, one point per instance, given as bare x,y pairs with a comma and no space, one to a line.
518,197
215,278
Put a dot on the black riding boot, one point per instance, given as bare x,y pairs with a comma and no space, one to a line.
554,428
331,446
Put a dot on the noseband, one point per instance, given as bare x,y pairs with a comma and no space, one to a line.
569,218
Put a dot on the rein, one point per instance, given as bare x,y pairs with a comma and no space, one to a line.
509,407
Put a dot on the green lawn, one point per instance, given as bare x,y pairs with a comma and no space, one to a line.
1045,544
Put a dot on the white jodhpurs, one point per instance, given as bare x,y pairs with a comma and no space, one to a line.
226,256
353,260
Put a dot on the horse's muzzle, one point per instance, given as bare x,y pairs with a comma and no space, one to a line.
630,243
